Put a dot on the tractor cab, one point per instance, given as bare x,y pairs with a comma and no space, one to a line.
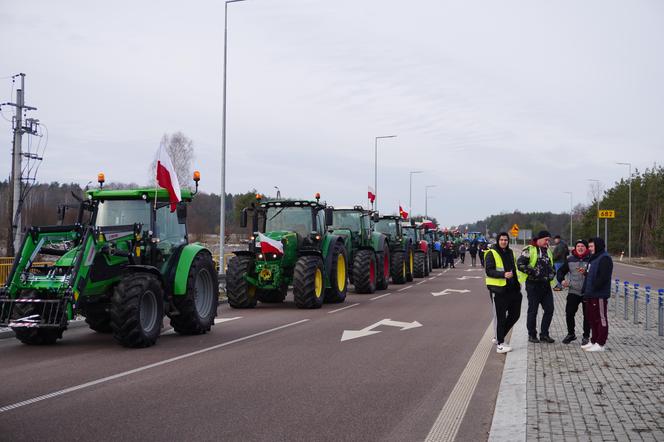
390,226
357,220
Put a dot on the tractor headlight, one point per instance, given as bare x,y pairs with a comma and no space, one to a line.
260,256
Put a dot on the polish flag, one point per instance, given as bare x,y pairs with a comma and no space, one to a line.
269,245
371,194
167,178
403,213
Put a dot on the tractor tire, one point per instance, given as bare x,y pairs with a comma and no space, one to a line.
240,293
197,308
34,336
273,296
364,271
427,267
338,276
137,310
420,264
384,264
308,282
435,262
398,268
98,318
410,265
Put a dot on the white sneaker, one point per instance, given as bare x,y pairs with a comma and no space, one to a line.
494,340
502,348
595,347
587,346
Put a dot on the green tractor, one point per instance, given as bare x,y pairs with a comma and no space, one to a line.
422,254
369,251
295,249
124,264
402,248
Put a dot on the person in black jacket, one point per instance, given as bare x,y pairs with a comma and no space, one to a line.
504,289
473,253
596,293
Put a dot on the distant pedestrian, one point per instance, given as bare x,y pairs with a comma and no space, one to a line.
449,253
575,266
596,292
560,252
473,253
536,261
502,280
480,252
462,253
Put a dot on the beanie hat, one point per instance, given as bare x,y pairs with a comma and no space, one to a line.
543,234
581,241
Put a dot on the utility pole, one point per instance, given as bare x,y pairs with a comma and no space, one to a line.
15,239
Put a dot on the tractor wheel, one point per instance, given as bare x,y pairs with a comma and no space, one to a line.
420,264
98,317
398,270
34,336
137,310
364,271
240,293
410,265
308,282
435,262
384,269
197,308
338,276
273,296
427,267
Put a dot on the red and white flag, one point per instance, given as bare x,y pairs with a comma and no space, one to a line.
269,245
371,194
167,178
403,213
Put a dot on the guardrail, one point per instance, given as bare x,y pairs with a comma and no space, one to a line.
630,294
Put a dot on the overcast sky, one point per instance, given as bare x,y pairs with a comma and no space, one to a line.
503,105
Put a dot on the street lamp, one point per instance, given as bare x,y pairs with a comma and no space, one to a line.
597,196
629,222
410,196
426,199
376,166
571,236
222,222
278,192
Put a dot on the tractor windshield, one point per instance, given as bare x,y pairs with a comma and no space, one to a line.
290,219
387,226
123,212
410,233
348,220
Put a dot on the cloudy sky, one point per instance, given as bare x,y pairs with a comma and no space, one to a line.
503,105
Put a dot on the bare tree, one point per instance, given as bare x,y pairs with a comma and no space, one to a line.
181,150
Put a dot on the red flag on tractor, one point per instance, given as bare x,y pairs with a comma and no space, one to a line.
167,178
403,213
371,194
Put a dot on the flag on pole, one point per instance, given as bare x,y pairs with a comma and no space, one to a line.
403,213
371,194
269,245
167,178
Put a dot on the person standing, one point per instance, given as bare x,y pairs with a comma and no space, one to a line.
536,261
560,252
450,255
596,292
473,253
502,280
480,252
462,253
575,266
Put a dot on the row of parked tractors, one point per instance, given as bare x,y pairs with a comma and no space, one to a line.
320,250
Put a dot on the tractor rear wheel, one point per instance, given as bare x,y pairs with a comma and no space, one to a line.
273,296
137,310
364,271
197,308
338,276
410,265
308,282
398,270
34,336
384,269
427,267
435,262
420,264
240,293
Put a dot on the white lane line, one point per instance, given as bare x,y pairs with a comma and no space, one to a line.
381,296
140,369
405,288
344,308
170,331
421,282
639,274
449,420
433,277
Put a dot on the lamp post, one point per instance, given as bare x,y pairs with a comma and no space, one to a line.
278,192
426,199
629,222
382,137
410,194
597,197
222,222
571,231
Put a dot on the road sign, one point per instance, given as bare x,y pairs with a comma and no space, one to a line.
525,234
515,230
607,213
368,331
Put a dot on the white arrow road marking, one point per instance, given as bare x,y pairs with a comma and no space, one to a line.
368,331
463,278
170,331
448,291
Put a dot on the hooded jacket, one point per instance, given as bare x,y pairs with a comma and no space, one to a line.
598,276
572,265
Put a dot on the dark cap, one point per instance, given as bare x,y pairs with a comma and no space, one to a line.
581,241
543,234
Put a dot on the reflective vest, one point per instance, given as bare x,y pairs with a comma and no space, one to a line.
534,254
502,282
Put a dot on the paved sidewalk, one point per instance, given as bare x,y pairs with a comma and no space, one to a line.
616,395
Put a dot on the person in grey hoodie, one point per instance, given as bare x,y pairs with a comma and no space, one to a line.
575,266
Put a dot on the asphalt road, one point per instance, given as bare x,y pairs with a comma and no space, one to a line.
272,373
640,275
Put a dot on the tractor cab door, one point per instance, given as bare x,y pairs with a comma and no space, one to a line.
171,230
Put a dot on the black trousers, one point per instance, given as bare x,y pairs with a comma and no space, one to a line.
539,293
481,258
472,259
463,257
507,309
573,302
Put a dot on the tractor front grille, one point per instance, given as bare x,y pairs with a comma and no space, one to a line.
32,313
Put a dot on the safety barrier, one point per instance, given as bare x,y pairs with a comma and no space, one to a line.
639,315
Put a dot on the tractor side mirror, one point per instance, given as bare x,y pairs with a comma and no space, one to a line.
182,213
243,218
329,216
